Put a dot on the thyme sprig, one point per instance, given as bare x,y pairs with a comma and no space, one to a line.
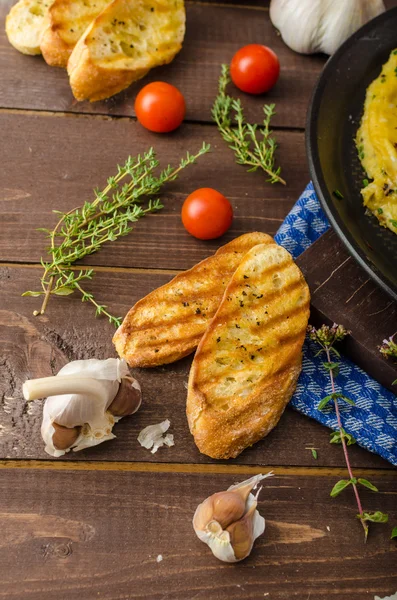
242,137
326,337
83,230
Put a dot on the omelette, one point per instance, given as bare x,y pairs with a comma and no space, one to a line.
377,145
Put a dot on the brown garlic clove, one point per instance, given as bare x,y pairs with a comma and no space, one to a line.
241,534
227,507
128,398
64,437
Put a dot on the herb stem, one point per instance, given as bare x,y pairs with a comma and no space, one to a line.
86,228
47,295
345,452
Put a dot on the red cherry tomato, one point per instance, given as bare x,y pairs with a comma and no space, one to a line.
254,69
160,107
207,214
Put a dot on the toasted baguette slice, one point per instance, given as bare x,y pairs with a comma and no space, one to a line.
249,359
26,23
68,20
168,324
123,43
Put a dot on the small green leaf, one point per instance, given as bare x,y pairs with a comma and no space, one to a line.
346,399
332,366
374,517
394,382
314,453
393,533
367,484
335,351
34,294
336,438
63,291
339,487
324,402
338,194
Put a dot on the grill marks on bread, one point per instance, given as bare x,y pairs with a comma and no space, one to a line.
247,363
169,323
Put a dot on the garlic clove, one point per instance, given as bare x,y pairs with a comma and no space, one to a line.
222,507
128,398
229,522
242,534
64,437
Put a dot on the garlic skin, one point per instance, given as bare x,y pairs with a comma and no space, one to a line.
152,437
229,523
309,26
84,418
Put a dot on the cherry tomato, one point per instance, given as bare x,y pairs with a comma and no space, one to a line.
254,69
160,107
207,214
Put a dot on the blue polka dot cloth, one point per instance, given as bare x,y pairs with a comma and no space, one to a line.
373,419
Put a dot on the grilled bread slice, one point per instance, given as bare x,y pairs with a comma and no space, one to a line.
26,23
123,43
168,324
249,359
68,21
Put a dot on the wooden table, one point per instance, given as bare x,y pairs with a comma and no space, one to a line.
93,524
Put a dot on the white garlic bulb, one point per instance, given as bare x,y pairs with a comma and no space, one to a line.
228,522
309,26
84,400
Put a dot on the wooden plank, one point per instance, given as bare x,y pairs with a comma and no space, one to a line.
214,33
100,535
55,162
342,291
39,346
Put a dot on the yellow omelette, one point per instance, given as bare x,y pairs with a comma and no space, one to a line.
377,145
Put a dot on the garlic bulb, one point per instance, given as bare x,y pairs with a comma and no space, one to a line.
309,26
228,522
152,437
84,400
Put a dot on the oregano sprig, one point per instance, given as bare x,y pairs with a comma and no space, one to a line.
326,337
389,350
83,230
255,151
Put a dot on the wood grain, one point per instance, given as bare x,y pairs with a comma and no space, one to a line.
54,162
39,346
342,291
99,535
27,82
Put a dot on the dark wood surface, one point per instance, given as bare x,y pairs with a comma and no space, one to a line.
98,534
93,523
341,288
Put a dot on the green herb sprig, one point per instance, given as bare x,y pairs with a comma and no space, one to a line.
241,137
326,337
83,230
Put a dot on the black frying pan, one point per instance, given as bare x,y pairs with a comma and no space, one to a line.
333,119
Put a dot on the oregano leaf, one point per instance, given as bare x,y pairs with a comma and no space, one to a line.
367,484
324,402
374,517
339,487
